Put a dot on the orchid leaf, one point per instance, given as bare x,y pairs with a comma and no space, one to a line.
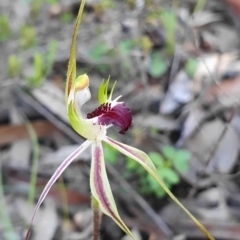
146,162
56,175
71,72
101,189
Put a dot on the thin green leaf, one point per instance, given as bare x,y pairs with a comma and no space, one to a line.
35,158
125,47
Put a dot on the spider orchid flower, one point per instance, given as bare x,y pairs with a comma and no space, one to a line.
94,127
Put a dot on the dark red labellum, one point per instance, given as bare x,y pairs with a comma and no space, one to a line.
118,115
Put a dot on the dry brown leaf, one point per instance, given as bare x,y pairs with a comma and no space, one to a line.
227,92
234,5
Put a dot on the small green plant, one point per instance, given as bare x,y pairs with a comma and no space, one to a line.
27,37
66,17
99,50
157,65
36,79
190,67
107,4
35,7
42,64
146,44
167,165
169,22
4,28
125,47
178,158
13,66
50,56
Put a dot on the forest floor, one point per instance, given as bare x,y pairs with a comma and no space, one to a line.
177,68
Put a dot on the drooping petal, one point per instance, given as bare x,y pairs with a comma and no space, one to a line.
71,72
116,114
56,175
101,189
146,162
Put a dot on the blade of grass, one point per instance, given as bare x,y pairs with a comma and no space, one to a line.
35,158
64,198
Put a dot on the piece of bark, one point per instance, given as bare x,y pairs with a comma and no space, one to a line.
11,133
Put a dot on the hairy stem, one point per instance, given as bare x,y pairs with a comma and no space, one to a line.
96,218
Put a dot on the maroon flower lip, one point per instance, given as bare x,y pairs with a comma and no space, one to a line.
119,115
